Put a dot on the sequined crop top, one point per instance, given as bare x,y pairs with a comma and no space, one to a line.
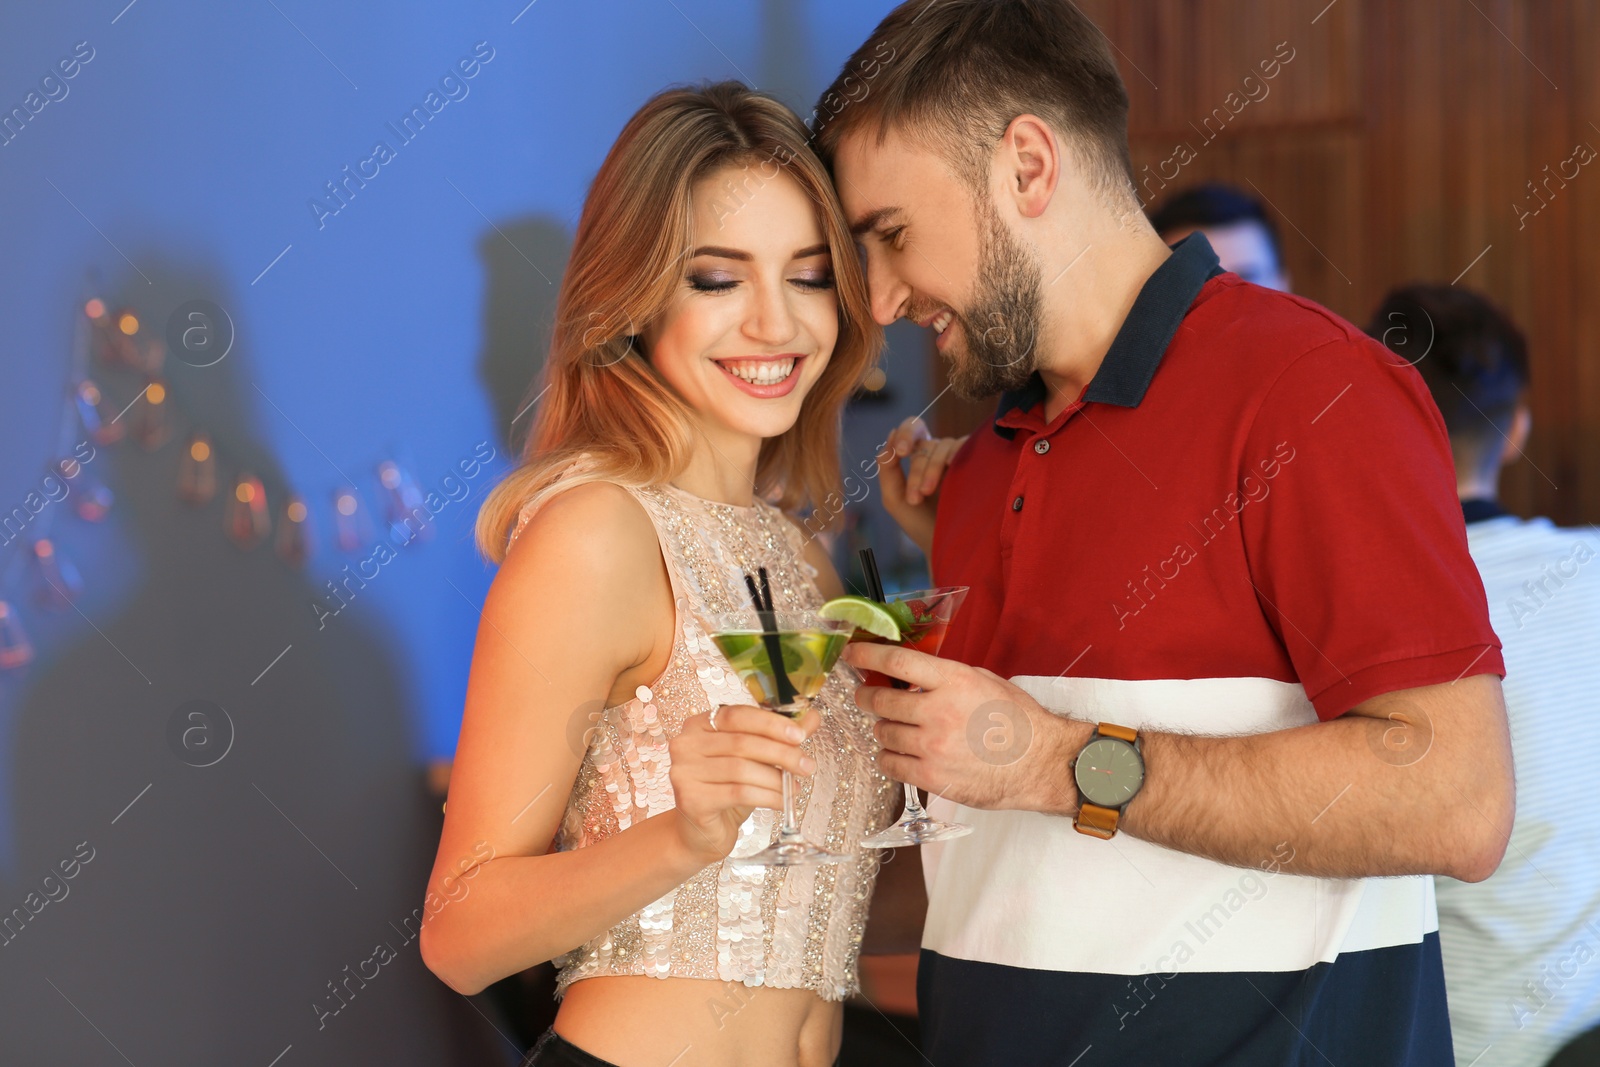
783,927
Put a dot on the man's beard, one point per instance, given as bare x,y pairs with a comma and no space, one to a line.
1000,329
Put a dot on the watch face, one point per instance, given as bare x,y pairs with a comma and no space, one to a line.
1109,772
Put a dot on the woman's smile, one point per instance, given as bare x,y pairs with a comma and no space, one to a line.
766,377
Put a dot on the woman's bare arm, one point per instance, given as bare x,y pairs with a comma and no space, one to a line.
581,601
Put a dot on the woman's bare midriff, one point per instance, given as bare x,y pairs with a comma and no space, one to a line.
638,1021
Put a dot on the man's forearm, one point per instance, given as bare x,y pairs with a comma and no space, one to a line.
1427,791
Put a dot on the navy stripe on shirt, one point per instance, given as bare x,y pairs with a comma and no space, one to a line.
1381,1007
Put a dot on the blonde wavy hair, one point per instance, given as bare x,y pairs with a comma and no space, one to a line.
601,395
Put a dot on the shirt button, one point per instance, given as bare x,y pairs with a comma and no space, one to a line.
1041,446
1016,505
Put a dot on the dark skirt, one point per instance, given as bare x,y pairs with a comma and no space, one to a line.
553,1050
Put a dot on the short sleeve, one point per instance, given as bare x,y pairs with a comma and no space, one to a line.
1359,554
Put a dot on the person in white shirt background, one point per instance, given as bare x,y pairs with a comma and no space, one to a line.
1521,948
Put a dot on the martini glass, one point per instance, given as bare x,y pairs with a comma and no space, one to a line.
929,612
804,646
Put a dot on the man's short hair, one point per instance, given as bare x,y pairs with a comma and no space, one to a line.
951,75
1471,355
1215,204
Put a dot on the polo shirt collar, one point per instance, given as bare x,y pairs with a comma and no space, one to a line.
1480,509
1135,353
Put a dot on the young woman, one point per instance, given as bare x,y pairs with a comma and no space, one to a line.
712,321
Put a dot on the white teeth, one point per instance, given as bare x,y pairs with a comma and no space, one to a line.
942,321
765,372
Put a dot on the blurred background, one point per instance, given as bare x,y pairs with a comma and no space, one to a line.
231,673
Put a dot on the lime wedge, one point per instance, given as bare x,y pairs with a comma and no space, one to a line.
863,614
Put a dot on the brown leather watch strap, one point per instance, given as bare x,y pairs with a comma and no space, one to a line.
1096,821
1122,733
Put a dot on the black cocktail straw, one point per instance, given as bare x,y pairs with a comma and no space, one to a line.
762,598
869,570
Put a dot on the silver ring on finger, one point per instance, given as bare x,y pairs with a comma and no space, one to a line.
713,716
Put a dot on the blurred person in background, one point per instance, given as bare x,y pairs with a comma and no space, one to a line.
1522,948
1241,232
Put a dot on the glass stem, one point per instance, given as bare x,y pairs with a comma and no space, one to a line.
913,804
788,829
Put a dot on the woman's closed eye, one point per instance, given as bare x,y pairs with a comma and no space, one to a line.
712,283
811,281
814,280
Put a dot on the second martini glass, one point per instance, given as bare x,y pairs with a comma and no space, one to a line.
928,612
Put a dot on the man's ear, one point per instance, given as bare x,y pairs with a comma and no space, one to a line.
1521,424
1031,158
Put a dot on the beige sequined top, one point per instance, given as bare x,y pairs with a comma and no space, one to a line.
784,927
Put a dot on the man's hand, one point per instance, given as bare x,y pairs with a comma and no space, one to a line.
1417,781
911,498
970,735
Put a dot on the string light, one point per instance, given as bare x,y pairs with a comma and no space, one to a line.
153,420
247,522
92,418
197,471
349,522
15,649
99,420
294,537
404,502
92,499
60,581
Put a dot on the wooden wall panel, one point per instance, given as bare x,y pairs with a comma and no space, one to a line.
1580,280
1468,107
1181,60
1399,144
1311,178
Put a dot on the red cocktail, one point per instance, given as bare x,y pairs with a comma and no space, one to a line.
924,617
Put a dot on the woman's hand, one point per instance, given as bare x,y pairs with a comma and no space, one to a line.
719,776
912,498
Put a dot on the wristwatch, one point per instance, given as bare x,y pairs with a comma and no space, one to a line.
1109,771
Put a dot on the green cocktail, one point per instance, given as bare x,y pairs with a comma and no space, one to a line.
783,659
807,657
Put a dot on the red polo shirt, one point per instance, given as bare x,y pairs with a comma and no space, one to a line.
1246,523
1249,487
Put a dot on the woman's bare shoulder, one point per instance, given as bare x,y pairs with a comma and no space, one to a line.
594,540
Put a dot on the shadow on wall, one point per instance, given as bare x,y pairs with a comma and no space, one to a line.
523,262
243,889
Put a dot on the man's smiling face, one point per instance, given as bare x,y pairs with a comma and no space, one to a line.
937,257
